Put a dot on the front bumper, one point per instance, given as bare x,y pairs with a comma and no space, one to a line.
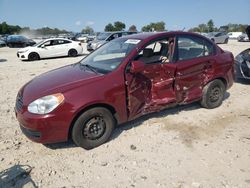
43,128
22,56
242,70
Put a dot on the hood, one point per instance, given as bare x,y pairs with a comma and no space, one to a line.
25,49
58,80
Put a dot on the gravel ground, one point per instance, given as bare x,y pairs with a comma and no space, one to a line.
185,146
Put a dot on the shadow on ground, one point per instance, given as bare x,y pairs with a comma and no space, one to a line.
17,176
3,60
243,81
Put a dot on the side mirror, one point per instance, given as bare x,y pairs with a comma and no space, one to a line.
137,66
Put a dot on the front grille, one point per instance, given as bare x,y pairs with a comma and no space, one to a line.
19,102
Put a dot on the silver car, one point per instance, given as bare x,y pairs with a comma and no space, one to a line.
218,37
105,37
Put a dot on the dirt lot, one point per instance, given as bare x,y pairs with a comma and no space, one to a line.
185,146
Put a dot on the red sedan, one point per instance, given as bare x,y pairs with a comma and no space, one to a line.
120,81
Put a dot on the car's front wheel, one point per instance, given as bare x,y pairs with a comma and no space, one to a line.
33,56
213,94
72,53
93,128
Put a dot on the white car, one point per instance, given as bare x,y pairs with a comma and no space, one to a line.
54,47
234,35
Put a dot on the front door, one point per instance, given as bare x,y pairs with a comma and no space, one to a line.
153,88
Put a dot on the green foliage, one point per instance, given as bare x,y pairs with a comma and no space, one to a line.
118,26
236,27
9,29
157,26
210,25
88,30
15,29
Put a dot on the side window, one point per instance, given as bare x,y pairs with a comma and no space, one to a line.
156,52
193,47
48,43
54,42
63,41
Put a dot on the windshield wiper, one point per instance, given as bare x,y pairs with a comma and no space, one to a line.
90,67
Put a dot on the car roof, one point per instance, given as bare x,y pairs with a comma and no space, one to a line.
58,38
142,36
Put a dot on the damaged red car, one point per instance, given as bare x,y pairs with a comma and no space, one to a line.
122,80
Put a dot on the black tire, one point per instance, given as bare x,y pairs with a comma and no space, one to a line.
212,40
33,56
72,53
213,94
93,128
226,41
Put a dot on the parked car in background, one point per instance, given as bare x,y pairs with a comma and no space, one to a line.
104,37
81,37
19,41
243,38
2,43
234,35
242,65
120,81
91,38
218,37
55,47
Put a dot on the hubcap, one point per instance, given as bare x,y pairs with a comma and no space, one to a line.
94,128
215,94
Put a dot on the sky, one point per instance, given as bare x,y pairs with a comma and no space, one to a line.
74,15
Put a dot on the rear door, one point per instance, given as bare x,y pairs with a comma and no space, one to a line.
62,47
194,62
153,88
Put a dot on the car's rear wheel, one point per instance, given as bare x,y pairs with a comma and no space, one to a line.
93,128
213,94
72,53
226,41
33,56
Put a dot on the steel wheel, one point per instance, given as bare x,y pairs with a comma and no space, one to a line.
94,128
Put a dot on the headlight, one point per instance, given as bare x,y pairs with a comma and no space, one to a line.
46,104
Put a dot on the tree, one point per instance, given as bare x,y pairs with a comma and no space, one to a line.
132,28
210,25
109,27
88,30
157,26
119,26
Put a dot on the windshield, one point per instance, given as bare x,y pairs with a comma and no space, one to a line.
109,56
39,43
102,36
